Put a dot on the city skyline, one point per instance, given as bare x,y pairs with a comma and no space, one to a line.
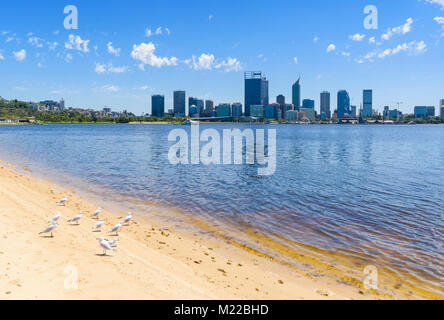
160,51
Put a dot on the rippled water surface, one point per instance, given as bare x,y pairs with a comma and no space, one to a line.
375,192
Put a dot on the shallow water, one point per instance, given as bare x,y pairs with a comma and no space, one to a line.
373,193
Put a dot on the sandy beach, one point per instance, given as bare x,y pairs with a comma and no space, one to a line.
150,262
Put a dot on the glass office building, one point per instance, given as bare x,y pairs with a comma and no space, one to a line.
158,106
256,90
367,98
343,104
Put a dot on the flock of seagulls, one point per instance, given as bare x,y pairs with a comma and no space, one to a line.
107,245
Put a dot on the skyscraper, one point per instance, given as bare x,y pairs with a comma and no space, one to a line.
368,103
343,104
296,92
179,103
158,106
62,105
256,90
308,103
280,99
325,104
441,108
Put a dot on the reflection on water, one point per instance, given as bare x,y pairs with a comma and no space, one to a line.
372,192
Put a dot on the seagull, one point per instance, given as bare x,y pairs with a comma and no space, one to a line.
128,218
105,245
112,243
55,218
50,228
63,201
116,228
76,218
98,225
96,213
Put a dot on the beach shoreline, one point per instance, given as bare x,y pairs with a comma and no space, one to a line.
151,261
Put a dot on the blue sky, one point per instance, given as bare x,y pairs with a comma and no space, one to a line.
204,47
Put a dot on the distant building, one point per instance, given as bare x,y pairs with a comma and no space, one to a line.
256,90
62,105
287,107
395,114
257,111
424,112
441,108
308,103
353,111
368,103
236,110
343,104
223,110
191,102
179,103
209,106
158,106
296,94
280,99
291,115
193,111
310,114
325,104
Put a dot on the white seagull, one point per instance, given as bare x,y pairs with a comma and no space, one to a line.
105,245
76,218
63,201
98,225
96,213
50,228
113,243
116,228
55,218
128,218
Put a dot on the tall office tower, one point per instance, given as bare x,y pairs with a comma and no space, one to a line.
343,104
209,106
236,110
441,108
200,106
191,102
256,90
353,111
158,106
296,92
368,103
280,99
325,104
62,105
179,103
308,103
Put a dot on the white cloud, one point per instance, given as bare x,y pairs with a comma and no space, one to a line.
168,31
68,57
148,32
158,31
52,45
402,29
372,40
20,55
345,54
357,37
295,59
229,65
439,20
1,56
438,2
35,41
145,54
412,48
331,48
113,50
76,43
109,88
103,68
316,39
204,62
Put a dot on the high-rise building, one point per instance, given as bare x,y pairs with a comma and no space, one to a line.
296,94
179,103
368,103
343,104
236,110
280,99
209,105
62,105
353,112
223,110
256,90
308,103
424,112
325,104
158,106
441,108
